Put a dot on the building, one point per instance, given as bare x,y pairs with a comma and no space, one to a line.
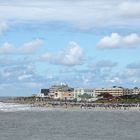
62,91
82,91
136,90
127,91
43,93
65,95
115,91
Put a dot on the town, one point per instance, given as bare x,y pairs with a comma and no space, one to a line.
64,96
64,92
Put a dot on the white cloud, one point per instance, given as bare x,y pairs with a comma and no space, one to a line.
131,40
46,57
134,65
114,80
104,64
82,14
30,47
70,56
3,27
27,48
117,41
7,48
130,9
24,77
10,61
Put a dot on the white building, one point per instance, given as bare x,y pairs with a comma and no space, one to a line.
136,90
40,95
81,91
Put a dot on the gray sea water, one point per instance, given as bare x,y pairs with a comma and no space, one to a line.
21,122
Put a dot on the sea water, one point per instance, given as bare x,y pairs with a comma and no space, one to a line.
22,122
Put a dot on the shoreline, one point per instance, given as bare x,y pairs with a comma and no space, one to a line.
78,105
89,108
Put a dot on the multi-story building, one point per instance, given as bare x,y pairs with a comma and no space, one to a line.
82,91
45,92
127,91
60,94
117,91
136,90
62,91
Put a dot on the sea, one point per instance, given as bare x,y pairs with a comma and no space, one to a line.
23,122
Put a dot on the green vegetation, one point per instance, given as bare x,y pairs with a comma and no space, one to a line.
117,100
85,96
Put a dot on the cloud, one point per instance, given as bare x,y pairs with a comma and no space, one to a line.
27,48
114,80
10,61
70,56
7,48
24,77
104,64
46,57
3,27
117,41
134,65
32,46
19,74
130,9
84,15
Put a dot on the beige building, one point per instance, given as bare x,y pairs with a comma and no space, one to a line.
62,91
113,91
64,95
136,91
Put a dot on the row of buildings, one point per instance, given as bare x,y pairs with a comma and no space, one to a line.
64,92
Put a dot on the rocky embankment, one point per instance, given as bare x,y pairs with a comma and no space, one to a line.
38,102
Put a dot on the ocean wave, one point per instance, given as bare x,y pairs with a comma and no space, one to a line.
9,107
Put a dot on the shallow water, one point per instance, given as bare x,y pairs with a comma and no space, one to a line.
22,122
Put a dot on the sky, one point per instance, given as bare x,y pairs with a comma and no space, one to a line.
84,43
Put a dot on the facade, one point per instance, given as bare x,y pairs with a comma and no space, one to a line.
62,91
40,95
117,91
113,91
136,91
64,95
82,91
45,92
127,91
55,88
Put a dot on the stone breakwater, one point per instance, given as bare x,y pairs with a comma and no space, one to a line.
78,105
82,105
94,106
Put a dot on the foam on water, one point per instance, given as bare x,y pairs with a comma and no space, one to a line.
14,107
10,107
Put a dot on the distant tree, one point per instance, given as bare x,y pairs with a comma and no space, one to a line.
106,95
136,88
85,96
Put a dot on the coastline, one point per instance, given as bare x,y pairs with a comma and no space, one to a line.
80,106
70,105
